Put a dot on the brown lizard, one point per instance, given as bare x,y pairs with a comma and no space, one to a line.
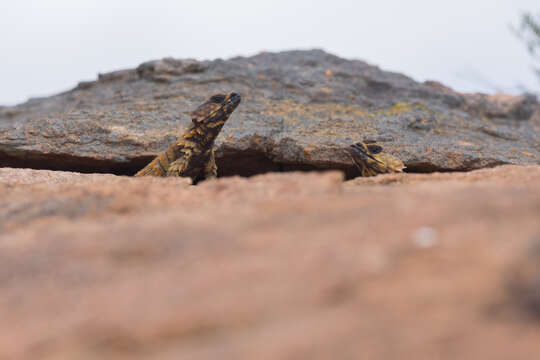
371,161
192,155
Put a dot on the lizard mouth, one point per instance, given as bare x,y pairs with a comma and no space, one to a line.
233,100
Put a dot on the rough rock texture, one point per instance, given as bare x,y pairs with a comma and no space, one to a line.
300,109
277,266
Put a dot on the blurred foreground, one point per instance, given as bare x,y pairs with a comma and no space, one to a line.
277,266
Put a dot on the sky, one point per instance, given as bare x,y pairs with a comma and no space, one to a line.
48,46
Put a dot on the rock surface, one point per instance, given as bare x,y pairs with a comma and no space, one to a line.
277,266
300,110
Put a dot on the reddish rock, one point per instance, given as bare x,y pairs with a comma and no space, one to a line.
278,266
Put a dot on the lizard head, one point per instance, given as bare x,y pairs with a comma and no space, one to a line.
216,110
371,161
365,158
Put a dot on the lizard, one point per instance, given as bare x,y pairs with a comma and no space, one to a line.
371,161
192,155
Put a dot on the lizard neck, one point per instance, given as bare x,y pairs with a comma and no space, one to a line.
201,135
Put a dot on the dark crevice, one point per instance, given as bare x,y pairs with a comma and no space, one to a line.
245,163
66,162
250,163
231,163
425,168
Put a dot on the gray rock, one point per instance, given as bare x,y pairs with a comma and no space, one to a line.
300,110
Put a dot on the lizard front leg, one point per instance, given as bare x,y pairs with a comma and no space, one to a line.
210,168
180,166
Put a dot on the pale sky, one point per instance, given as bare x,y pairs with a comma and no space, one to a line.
49,46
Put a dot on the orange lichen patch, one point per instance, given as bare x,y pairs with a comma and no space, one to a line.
325,119
336,118
465,143
330,116
403,107
288,108
526,153
145,106
325,90
329,73
150,136
27,131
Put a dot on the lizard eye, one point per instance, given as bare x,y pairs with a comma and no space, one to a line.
218,99
375,149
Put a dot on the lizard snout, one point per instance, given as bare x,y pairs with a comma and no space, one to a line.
235,98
